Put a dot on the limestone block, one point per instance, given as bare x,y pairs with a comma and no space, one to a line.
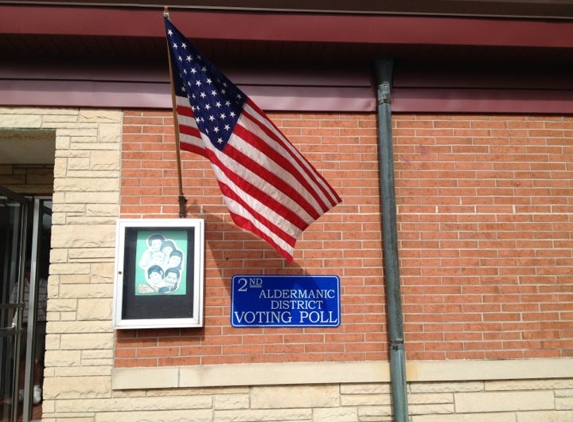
135,404
64,358
564,403
504,401
62,305
374,413
67,268
24,121
545,416
76,387
48,406
102,210
60,207
537,384
68,418
83,184
73,153
273,415
485,417
83,371
56,111
295,396
105,160
77,131
338,414
158,416
100,116
67,316
74,279
58,255
445,387
78,163
52,120
101,197
92,254
94,309
86,290
80,327
52,343
62,142
97,354
83,236
231,401
566,392
430,409
58,219
110,134
129,378
365,388
430,398
86,341
102,272
365,399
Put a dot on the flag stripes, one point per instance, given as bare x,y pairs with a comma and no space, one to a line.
269,188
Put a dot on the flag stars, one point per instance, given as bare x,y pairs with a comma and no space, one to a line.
207,90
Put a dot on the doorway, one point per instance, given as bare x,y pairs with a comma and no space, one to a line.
25,232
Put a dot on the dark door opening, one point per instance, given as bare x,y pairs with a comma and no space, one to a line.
25,231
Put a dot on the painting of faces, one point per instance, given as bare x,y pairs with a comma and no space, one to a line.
161,263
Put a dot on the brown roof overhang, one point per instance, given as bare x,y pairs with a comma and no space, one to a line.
522,9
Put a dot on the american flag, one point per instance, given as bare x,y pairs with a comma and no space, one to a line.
269,188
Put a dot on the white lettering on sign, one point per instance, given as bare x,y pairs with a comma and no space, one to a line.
261,300
263,317
316,317
297,304
297,294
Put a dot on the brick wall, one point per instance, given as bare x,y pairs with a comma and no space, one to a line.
485,209
485,222
346,242
28,179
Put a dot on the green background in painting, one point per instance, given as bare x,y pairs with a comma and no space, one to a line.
179,237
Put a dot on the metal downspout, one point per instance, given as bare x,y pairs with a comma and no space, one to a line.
384,67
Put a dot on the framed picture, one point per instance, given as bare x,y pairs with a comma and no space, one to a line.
159,273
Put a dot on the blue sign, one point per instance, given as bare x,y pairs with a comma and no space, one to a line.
285,301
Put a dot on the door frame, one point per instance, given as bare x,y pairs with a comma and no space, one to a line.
14,276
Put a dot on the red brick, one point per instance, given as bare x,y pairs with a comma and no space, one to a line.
484,238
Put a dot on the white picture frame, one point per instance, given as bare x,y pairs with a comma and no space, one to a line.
159,273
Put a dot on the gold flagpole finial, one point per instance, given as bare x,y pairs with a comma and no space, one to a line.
166,12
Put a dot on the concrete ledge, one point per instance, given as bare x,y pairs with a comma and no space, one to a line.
144,378
335,373
469,370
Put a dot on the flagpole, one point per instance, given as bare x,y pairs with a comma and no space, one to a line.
182,200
